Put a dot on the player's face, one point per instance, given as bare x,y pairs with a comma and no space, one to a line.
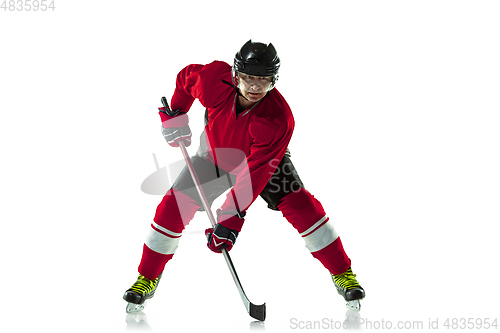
254,88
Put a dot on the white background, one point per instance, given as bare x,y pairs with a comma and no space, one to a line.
397,133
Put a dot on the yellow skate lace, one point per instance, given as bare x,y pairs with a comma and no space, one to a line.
346,280
144,285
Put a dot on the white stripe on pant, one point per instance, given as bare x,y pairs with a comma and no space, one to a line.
162,240
320,235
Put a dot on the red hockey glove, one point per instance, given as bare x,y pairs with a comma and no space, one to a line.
222,236
175,127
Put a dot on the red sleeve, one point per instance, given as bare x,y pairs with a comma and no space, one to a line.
202,82
185,89
270,141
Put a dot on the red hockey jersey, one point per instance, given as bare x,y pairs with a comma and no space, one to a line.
249,145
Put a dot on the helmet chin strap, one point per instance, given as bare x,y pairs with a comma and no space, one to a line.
235,88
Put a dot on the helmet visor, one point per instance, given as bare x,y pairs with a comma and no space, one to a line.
254,84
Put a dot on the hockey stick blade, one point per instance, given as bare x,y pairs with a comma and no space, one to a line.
258,311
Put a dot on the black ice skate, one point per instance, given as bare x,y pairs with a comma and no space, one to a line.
349,288
142,290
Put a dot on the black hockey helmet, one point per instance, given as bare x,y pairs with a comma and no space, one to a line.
257,59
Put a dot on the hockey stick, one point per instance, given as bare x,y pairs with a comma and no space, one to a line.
255,311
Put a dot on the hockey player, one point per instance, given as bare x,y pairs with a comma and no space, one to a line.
248,125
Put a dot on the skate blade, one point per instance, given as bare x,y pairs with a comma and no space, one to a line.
132,308
353,305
